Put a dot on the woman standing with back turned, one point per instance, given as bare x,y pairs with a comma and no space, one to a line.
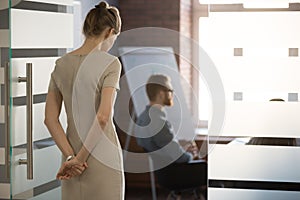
84,175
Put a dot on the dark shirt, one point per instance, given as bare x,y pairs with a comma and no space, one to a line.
154,132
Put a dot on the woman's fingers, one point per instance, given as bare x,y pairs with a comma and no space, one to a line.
71,169
61,176
76,171
70,172
63,172
66,177
79,167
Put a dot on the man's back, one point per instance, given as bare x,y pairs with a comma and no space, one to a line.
155,134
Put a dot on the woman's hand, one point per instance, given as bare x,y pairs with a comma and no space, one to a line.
71,168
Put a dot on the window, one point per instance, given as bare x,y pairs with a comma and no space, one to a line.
248,49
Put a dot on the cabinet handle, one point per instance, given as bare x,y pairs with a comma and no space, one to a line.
29,102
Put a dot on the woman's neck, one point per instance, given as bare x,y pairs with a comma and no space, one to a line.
89,45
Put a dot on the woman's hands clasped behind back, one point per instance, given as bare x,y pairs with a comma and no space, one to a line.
71,168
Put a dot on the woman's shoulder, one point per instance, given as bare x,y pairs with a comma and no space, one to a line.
67,59
65,63
61,59
104,55
111,60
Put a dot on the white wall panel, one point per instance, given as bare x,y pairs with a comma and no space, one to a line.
4,4
246,1
39,29
254,163
250,29
269,53
60,2
261,53
243,194
43,171
39,129
273,119
260,74
19,124
41,72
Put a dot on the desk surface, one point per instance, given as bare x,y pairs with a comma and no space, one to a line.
202,135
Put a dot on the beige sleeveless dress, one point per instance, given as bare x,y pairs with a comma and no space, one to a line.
99,181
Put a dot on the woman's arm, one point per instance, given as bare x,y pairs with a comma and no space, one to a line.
104,112
52,112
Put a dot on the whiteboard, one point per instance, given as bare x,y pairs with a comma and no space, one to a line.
139,63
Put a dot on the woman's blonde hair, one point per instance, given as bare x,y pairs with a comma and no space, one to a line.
101,17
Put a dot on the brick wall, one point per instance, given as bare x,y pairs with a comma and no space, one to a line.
156,13
171,14
185,28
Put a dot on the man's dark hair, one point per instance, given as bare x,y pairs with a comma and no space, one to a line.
153,89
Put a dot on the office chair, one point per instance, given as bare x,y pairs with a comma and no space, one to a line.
174,179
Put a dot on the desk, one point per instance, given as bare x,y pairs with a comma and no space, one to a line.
202,135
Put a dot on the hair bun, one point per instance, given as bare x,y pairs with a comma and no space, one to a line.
103,4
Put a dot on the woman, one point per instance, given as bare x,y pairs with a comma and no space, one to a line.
84,176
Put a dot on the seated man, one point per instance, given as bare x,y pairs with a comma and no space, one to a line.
155,134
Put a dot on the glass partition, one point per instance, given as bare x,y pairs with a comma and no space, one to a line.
39,31
255,49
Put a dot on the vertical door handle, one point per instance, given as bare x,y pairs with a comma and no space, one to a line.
7,118
29,101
